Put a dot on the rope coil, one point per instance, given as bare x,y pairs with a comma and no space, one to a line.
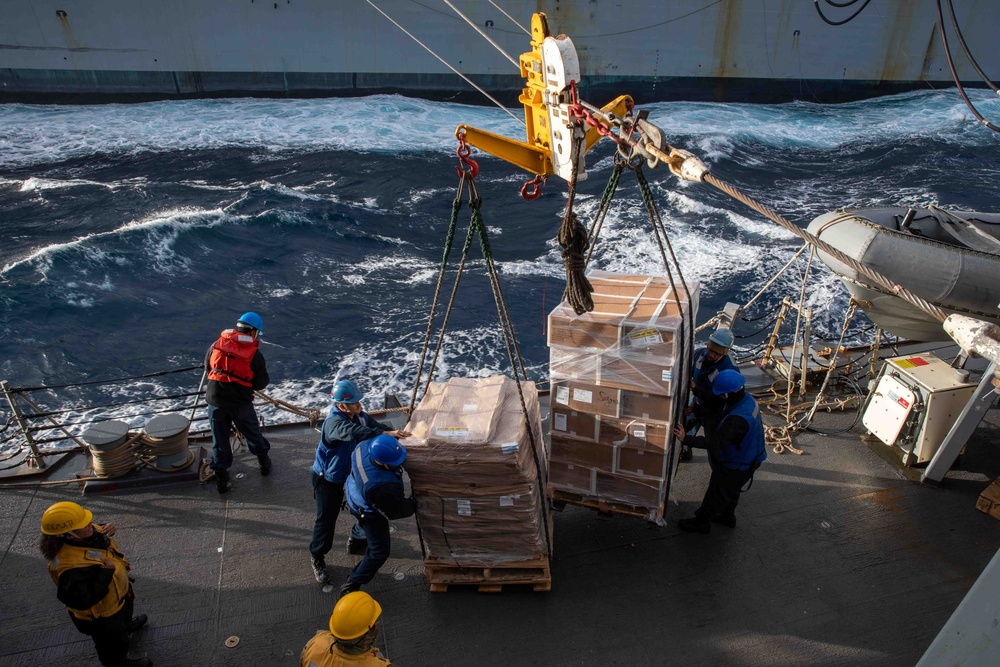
111,461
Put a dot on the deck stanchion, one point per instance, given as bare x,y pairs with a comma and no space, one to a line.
201,385
23,424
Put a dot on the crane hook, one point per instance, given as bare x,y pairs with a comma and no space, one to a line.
536,188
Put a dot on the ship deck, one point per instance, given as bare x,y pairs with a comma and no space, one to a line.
838,559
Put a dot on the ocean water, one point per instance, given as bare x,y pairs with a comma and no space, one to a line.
133,234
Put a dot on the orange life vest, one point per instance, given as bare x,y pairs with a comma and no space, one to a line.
231,356
71,556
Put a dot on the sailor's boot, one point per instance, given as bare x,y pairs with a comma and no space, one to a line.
136,623
265,465
349,587
222,481
319,569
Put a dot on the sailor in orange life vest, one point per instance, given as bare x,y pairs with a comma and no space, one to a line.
736,448
92,577
236,369
354,625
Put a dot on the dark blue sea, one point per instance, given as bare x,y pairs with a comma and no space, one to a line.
133,234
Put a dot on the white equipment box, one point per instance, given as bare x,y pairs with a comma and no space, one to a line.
916,401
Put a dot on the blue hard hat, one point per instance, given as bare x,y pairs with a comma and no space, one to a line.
387,451
722,337
253,320
727,381
345,391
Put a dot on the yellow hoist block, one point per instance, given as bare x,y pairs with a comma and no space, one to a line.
548,70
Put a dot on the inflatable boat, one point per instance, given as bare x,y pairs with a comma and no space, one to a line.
949,258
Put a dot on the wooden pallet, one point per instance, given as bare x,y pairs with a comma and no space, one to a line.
605,509
492,579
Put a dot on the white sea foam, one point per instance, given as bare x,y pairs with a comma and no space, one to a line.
162,228
43,184
39,134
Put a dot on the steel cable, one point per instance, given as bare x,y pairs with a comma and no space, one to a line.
83,384
877,278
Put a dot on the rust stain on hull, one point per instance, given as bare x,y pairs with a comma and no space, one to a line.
895,57
71,41
726,36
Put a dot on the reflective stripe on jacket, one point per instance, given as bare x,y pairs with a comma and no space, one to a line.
322,651
751,450
231,356
71,556
365,476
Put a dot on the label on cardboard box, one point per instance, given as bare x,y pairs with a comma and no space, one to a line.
509,448
639,432
583,396
559,421
643,338
470,407
666,376
506,501
464,507
452,432
562,396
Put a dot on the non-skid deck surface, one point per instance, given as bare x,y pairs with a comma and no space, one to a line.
837,560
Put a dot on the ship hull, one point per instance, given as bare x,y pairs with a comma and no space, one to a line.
719,51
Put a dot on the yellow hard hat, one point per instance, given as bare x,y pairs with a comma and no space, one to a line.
64,517
354,615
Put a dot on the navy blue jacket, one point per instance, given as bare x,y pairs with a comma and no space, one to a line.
341,433
738,442
707,406
372,488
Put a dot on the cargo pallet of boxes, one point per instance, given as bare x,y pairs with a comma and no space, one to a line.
478,481
616,379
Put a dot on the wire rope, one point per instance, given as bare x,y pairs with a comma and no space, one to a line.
447,64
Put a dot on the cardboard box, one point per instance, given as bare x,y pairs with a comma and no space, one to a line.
588,398
649,375
623,284
567,329
654,341
596,455
572,423
567,363
641,462
989,500
630,313
634,433
572,478
646,406
639,492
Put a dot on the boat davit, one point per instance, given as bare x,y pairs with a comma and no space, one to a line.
949,258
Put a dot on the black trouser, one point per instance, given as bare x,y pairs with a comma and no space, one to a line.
723,494
244,418
329,498
110,634
376,529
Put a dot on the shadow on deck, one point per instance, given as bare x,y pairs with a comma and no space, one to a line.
838,559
